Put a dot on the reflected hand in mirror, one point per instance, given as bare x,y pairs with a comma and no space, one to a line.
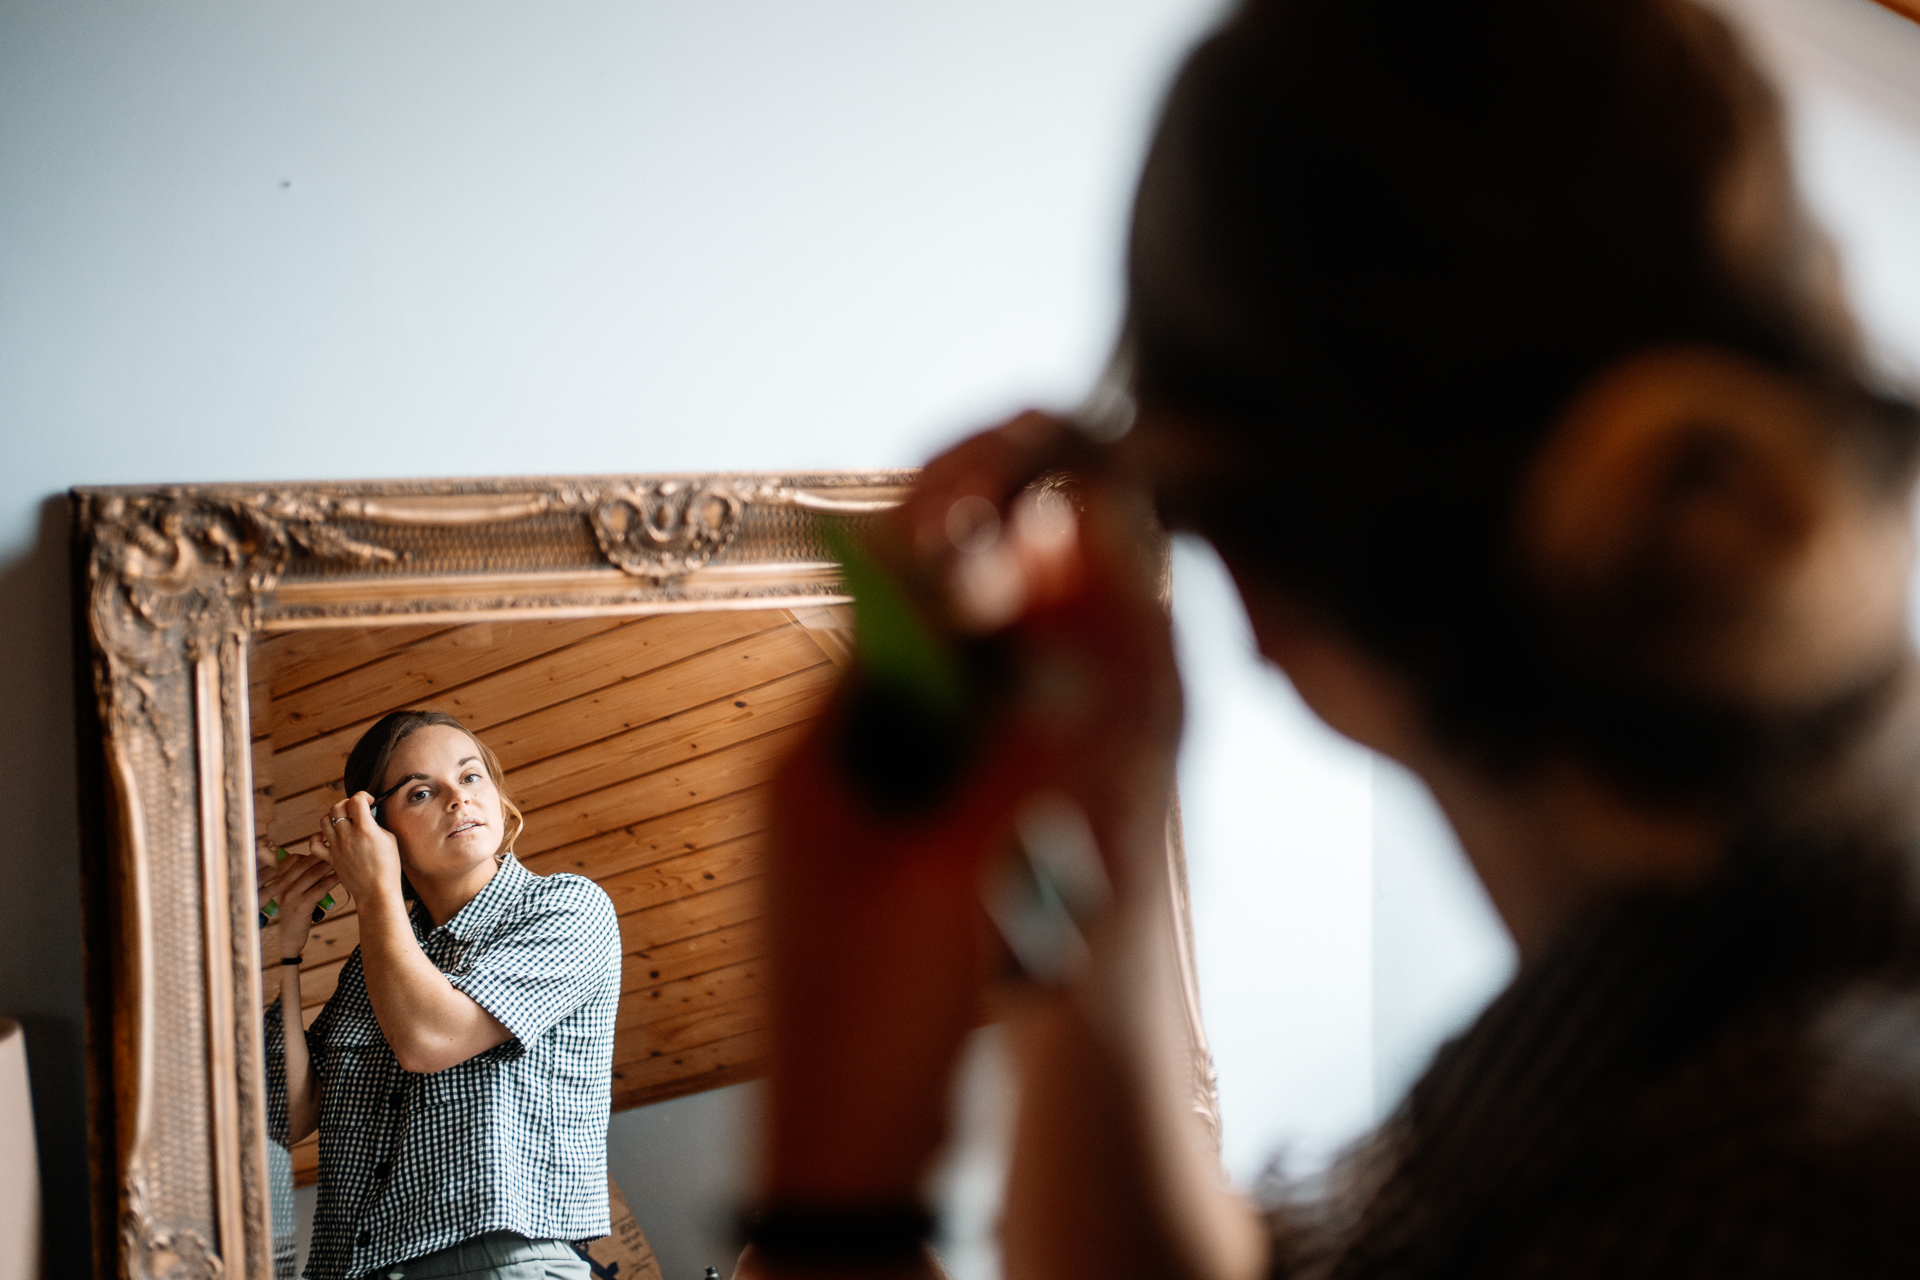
296,888
292,885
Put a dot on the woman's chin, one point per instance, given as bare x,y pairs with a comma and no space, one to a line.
470,848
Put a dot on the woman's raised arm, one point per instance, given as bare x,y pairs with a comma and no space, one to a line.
430,1024
879,937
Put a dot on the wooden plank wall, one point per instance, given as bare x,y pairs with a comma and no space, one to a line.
638,748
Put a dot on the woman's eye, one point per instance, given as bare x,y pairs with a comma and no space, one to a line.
472,777
418,793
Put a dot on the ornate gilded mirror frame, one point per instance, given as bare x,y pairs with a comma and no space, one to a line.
170,584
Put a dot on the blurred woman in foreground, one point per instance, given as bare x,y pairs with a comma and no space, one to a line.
1488,345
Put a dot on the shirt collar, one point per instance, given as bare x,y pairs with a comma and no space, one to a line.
487,909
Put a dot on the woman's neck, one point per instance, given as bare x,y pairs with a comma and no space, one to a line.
1547,847
444,896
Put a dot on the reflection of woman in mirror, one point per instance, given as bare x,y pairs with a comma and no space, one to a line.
1489,345
460,1074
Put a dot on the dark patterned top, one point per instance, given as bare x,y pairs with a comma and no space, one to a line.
1724,1083
512,1139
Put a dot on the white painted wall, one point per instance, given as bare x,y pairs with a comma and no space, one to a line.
1851,71
1277,817
266,241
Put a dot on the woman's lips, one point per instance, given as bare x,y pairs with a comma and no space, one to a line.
463,828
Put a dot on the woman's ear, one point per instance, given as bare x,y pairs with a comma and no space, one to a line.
1692,516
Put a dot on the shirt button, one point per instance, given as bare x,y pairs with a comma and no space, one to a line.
366,1238
397,1097
384,1168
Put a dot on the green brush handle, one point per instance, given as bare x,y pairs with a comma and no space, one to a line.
917,702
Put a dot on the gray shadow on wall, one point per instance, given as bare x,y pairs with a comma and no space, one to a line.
40,951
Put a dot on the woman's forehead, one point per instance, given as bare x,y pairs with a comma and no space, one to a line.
434,746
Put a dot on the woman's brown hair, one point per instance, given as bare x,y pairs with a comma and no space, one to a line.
1380,245
367,762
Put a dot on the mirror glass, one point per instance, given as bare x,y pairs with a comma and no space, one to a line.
639,750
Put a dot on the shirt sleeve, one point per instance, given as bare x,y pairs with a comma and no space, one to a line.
550,962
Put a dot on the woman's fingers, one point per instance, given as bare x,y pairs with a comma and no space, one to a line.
299,884
994,464
304,886
311,874
270,872
944,542
296,876
1070,585
360,814
285,873
362,851
308,895
308,889
354,815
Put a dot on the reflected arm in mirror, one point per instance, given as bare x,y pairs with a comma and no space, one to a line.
293,891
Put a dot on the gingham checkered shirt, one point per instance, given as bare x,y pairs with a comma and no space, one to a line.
512,1139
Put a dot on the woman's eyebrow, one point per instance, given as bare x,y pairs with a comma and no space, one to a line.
420,777
409,778
412,777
